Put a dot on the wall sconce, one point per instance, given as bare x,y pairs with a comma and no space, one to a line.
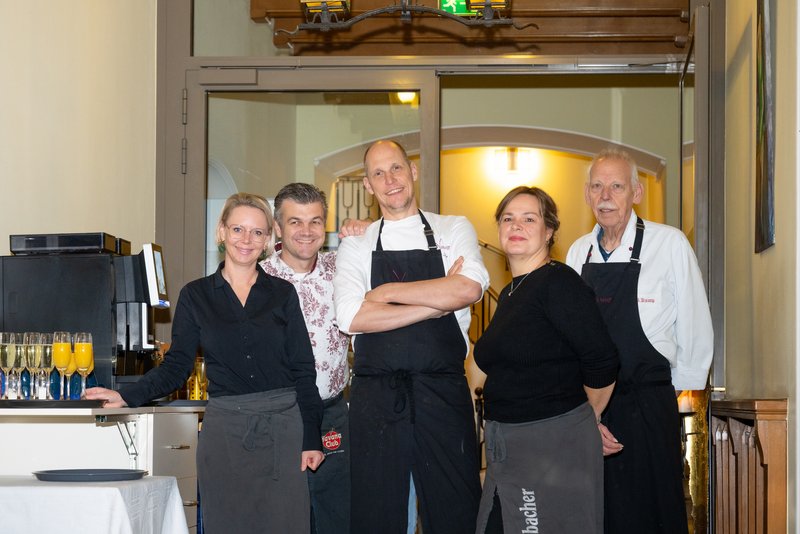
516,163
406,97
314,7
487,7
512,153
475,5
507,158
325,12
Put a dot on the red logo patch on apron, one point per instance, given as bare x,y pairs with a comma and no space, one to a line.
332,440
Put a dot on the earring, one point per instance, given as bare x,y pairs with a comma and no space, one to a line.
221,247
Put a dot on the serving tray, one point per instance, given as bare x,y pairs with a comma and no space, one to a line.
89,475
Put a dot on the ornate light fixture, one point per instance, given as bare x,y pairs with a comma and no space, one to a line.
327,15
313,8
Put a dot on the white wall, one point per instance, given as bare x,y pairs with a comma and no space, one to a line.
77,123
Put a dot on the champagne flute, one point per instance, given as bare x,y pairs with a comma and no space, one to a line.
71,368
62,352
5,358
46,366
18,362
83,357
33,359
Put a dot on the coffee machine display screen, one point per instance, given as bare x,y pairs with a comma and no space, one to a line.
154,274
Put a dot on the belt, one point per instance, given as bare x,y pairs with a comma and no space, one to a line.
327,403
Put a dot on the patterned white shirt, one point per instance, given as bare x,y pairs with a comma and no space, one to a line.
315,290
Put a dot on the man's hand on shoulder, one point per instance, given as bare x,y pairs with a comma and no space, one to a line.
353,227
456,267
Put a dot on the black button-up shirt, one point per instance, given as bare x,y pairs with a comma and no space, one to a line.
260,346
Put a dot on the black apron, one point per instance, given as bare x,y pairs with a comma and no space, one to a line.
248,464
643,483
547,475
411,414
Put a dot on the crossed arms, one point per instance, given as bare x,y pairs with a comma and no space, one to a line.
361,309
399,304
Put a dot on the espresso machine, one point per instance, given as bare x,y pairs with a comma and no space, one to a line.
87,283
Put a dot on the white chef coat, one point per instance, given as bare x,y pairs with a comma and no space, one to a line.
673,307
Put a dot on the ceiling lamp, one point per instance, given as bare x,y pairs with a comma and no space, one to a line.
323,15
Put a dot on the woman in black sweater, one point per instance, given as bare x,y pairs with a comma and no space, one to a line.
262,424
550,368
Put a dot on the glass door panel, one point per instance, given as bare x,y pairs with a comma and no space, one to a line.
259,141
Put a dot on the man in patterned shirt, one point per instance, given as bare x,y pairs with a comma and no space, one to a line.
300,213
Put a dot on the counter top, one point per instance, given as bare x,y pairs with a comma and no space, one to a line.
98,412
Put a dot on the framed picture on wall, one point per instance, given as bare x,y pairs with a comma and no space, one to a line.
765,128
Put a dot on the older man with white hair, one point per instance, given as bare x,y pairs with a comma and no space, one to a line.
650,292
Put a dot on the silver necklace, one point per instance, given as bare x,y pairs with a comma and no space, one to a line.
512,288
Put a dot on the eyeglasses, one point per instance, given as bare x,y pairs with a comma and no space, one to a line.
256,234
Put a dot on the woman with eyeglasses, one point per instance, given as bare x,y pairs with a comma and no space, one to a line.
261,427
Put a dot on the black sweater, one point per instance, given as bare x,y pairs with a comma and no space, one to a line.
545,342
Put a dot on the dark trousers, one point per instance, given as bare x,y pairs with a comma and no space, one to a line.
329,486
436,445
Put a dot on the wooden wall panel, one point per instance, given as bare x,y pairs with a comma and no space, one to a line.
749,466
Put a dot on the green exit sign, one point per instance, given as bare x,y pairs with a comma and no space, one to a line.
456,7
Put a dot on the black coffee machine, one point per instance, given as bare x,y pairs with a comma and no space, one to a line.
87,283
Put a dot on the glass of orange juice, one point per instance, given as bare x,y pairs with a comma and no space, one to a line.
84,357
71,368
62,353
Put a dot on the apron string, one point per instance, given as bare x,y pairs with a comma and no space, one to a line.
637,243
427,230
403,383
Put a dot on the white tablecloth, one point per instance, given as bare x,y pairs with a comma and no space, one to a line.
151,505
